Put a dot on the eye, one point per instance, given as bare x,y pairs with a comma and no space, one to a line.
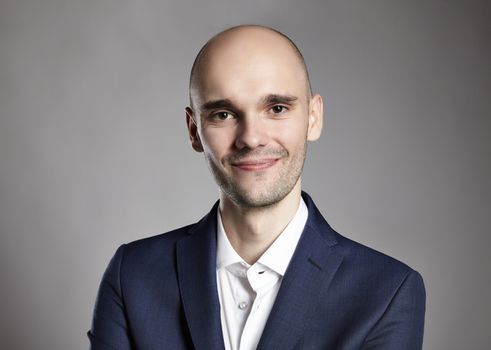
222,115
277,109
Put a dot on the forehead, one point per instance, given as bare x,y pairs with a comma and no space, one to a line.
249,64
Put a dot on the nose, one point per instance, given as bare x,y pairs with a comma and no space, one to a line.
251,133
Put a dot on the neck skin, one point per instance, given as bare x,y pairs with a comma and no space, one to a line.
252,230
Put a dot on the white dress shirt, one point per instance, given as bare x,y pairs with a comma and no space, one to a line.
247,292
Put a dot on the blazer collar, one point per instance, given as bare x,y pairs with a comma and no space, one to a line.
307,277
196,269
306,281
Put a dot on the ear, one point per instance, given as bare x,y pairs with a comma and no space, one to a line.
315,118
193,130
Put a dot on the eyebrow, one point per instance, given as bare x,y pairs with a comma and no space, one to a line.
275,98
217,104
266,100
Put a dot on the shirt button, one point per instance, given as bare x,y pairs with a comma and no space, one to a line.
243,305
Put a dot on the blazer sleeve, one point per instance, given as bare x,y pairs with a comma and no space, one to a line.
402,325
109,329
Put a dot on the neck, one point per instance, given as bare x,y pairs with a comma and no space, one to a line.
252,230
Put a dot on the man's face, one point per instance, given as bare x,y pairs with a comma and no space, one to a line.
253,119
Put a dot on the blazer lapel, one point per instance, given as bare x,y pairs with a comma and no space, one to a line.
308,276
196,268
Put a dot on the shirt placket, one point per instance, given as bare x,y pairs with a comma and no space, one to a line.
261,282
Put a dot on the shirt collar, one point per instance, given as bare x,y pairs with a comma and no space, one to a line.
278,255
226,254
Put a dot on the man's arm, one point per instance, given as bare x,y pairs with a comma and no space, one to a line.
402,325
109,328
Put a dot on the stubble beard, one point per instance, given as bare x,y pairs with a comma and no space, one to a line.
272,191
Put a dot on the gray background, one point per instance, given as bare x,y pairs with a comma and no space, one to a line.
94,150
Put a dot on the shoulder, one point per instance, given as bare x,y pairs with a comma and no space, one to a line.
151,252
361,254
374,268
360,261
161,241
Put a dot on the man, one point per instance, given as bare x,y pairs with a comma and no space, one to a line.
263,269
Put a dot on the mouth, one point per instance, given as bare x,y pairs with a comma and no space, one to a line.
256,164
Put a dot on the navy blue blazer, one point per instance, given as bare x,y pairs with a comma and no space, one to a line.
160,293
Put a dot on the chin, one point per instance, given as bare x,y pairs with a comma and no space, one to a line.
256,199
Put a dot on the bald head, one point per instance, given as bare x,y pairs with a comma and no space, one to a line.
246,45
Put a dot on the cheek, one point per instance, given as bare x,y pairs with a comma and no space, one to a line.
291,133
216,141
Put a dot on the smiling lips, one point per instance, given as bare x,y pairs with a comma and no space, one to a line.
254,165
